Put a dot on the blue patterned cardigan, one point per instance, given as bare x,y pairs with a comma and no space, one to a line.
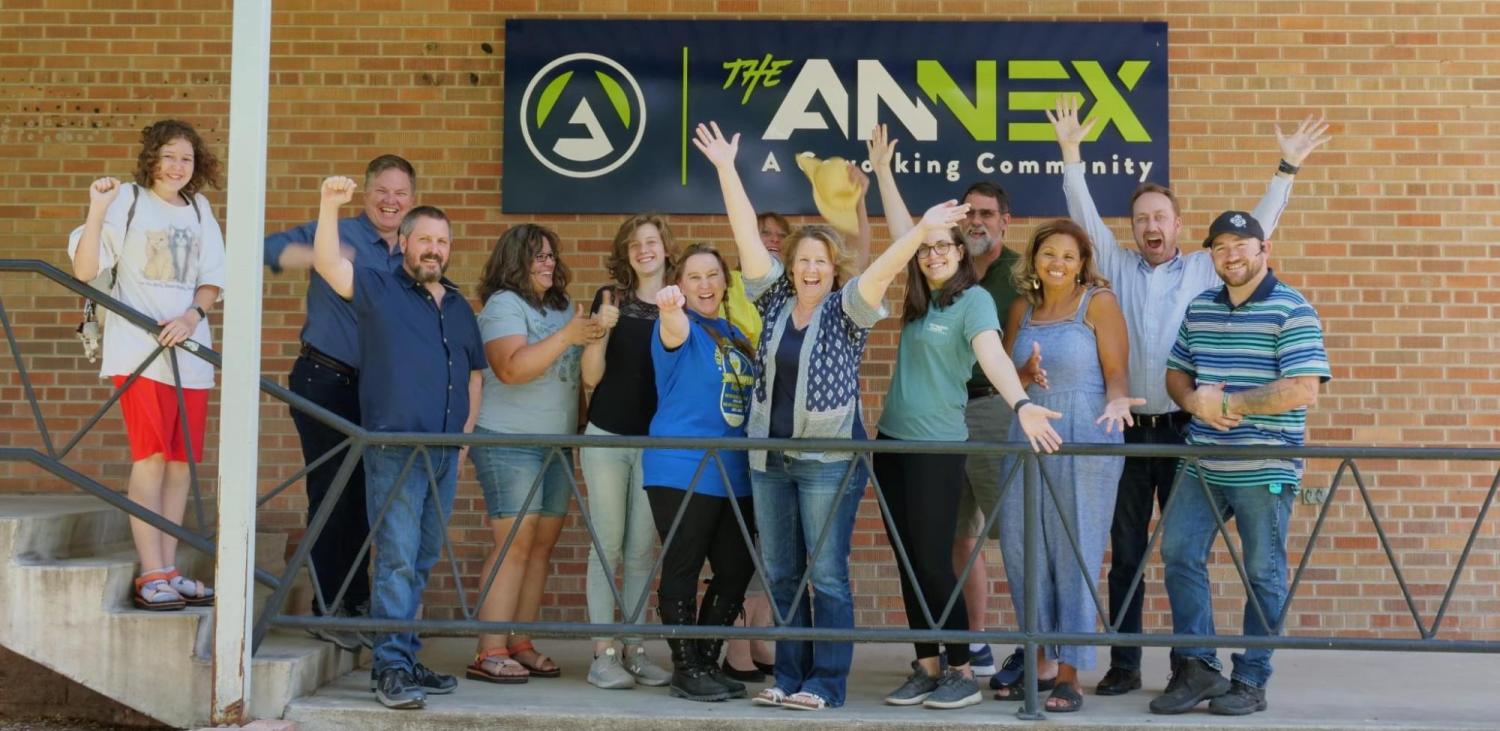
827,398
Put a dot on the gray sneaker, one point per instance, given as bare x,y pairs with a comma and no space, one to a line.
606,672
915,690
954,690
647,673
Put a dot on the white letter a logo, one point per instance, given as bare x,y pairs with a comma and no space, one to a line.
584,149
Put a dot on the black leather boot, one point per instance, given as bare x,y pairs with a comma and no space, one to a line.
719,612
691,679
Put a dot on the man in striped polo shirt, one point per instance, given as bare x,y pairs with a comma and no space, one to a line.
1248,361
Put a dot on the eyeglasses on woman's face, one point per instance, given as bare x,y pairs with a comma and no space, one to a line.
941,249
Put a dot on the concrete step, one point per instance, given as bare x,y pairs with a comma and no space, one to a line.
58,526
1311,691
67,566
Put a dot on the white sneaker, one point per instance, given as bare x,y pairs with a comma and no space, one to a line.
606,672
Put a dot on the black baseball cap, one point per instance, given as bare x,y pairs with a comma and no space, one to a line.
1238,223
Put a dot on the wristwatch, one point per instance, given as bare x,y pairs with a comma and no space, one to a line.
201,312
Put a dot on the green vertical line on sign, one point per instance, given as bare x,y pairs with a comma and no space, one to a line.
683,154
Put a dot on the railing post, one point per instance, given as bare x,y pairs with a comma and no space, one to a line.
1031,536
239,412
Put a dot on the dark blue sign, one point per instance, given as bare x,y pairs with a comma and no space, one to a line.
598,114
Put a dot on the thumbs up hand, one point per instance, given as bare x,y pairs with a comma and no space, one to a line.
608,314
582,330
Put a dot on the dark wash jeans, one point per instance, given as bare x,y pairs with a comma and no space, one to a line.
337,549
1146,480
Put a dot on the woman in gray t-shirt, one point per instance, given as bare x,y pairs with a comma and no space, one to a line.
533,339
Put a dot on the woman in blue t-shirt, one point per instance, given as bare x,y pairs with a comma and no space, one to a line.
947,324
704,371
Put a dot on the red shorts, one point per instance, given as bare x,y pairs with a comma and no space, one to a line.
154,424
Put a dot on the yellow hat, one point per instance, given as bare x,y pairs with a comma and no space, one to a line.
833,192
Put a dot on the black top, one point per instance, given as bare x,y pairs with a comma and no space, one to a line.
784,390
625,399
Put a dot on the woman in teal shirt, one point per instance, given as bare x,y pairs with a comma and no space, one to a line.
948,324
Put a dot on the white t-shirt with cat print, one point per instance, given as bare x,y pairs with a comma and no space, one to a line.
167,254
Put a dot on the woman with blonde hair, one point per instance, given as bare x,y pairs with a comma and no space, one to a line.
1067,315
618,368
817,319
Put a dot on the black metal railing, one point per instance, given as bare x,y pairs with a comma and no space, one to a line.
358,440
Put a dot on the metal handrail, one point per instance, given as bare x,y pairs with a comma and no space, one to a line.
360,439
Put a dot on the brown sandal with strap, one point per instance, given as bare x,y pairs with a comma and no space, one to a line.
152,585
500,656
537,671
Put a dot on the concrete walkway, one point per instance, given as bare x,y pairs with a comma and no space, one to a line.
1312,691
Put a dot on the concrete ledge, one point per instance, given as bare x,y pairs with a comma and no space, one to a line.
1312,691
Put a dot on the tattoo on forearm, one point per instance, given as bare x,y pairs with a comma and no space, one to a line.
1272,398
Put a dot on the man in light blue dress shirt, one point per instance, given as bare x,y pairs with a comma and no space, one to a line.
1155,282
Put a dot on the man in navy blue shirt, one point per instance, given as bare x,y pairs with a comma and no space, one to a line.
421,360
327,373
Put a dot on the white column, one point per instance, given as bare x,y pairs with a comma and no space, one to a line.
239,412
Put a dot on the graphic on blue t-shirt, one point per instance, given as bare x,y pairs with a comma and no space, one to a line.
737,374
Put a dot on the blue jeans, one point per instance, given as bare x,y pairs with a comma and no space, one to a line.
408,538
793,501
507,474
1260,518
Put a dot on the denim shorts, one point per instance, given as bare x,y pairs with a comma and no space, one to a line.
506,475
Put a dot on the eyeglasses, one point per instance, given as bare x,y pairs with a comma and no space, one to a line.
941,249
544,257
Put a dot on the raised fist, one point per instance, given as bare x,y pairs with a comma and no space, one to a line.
102,192
338,190
670,299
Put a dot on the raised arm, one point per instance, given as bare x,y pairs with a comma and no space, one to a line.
882,149
337,271
755,261
1070,135
102,193
1295,147
861,238
877,279
674,322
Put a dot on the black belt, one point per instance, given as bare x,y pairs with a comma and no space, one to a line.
982,392
1175,419
328,361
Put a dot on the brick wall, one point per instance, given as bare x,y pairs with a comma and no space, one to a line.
1391,233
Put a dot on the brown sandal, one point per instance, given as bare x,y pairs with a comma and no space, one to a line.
537,671
501,657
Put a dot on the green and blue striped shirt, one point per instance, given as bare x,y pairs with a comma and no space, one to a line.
1274,334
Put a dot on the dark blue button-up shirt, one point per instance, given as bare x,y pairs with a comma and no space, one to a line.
417,353
331,324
